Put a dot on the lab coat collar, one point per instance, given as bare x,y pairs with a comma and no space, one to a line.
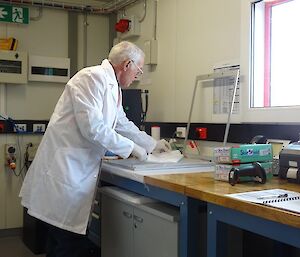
112,78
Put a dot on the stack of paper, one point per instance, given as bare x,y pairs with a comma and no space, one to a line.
279,198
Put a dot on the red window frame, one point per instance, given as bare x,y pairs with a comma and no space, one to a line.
267,53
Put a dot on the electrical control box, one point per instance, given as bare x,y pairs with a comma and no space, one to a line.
13,67
150,49
49,69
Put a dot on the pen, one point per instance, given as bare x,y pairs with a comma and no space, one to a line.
273,196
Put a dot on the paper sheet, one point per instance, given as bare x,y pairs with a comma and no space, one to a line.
165,157
264,196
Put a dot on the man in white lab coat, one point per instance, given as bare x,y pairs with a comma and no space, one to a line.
87,121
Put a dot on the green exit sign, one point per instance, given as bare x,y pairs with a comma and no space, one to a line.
14,14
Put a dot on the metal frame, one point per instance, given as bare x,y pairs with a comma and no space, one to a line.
189,209
218,217
210,77
216,231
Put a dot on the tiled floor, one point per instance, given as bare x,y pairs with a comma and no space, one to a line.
14,247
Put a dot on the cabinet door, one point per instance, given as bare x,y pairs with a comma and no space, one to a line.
116,228
154,236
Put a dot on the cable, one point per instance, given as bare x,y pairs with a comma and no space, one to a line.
10,120
145,11
18,174
3,117
144,111
26,157
26,163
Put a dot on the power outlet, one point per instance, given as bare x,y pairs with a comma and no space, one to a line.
19,128
10,148
10,152
38,128
181,132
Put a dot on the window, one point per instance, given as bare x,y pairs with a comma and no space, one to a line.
275,53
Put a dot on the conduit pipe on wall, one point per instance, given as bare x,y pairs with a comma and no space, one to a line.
145,11
85,24
155,19
106,9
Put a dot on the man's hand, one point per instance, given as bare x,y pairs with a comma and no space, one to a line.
162,146
139,152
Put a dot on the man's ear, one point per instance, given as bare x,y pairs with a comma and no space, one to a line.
126,64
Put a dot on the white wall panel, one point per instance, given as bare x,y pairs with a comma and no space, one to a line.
47,36
192,37
97,39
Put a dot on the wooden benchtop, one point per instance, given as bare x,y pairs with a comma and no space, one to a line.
202,186
177,182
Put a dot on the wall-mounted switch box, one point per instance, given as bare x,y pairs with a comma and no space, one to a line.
13,67
150,49
49,69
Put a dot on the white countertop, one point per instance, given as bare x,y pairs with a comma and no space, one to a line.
159,169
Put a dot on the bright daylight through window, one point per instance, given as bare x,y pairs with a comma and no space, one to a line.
275,53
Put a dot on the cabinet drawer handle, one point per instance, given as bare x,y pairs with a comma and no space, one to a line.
138,219
127,214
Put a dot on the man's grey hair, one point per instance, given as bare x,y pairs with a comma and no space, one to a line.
125,51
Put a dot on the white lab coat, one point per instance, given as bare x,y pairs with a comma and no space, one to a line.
86,122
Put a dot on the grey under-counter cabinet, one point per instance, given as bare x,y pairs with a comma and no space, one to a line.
136,226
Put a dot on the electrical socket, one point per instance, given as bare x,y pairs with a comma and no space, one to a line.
10,152
10,149
181,132
20,127
38,128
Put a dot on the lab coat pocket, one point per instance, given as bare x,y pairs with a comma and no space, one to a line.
69,166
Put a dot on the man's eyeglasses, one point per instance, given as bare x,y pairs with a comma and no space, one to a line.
140,70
